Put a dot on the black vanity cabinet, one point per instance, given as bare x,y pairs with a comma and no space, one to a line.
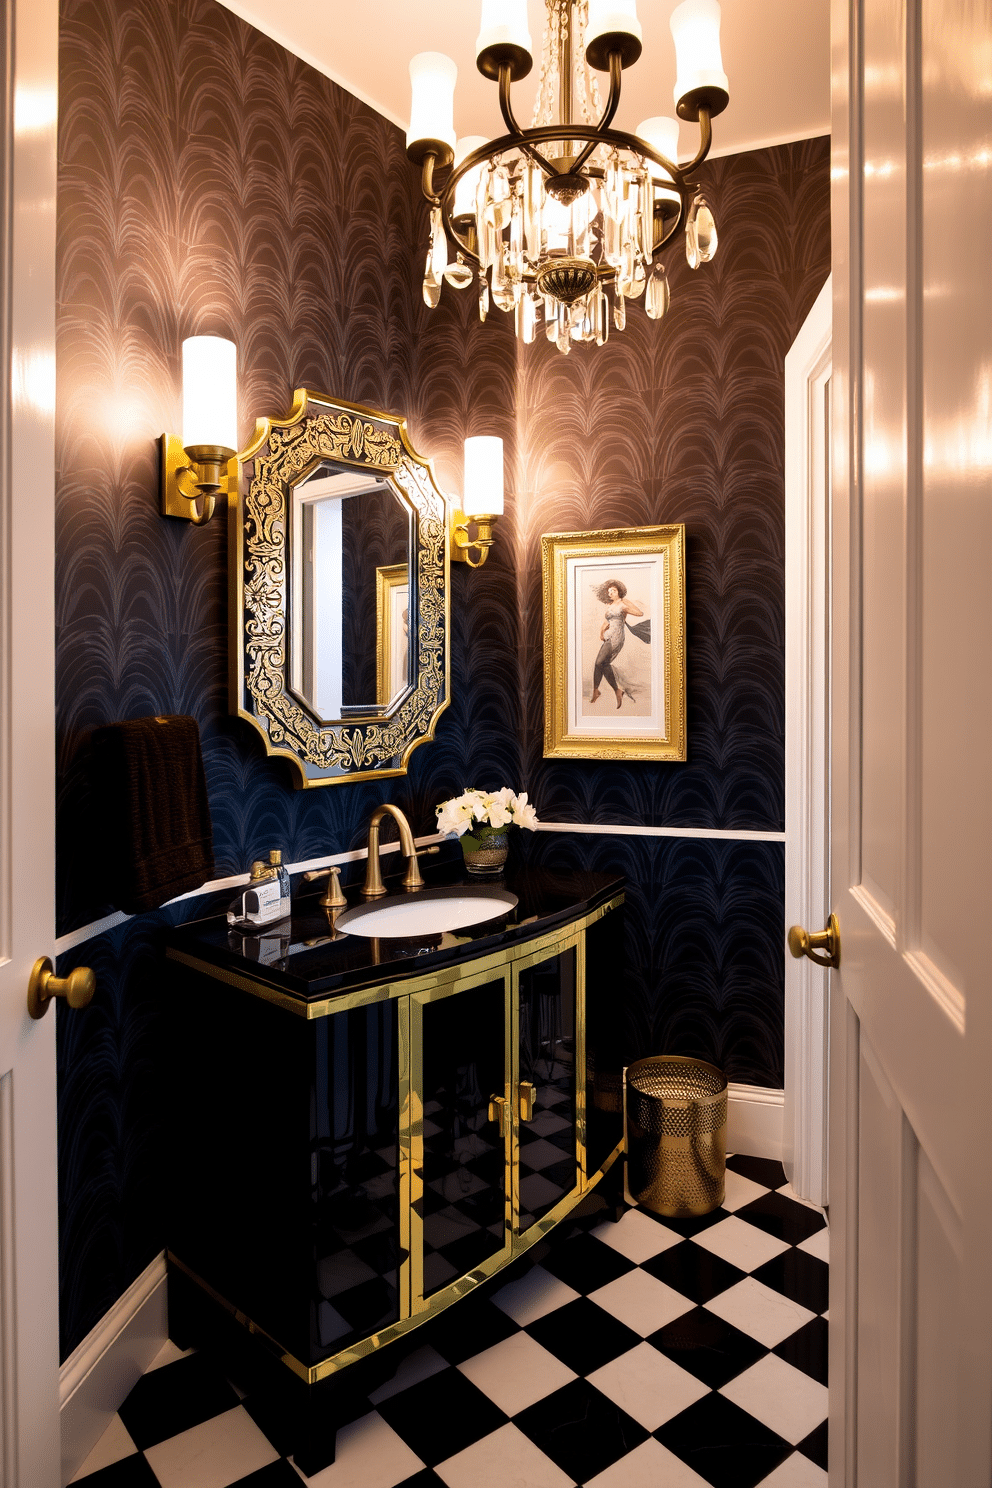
345,1167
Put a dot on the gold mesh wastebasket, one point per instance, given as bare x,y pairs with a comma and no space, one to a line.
676,1135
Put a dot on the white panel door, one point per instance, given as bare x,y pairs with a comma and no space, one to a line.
911,866
29,1434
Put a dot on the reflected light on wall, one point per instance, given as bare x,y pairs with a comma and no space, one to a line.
35,110
33,380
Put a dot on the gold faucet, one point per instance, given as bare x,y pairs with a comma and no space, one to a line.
412,879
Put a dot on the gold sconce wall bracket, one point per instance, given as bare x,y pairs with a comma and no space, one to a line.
463,543
192,479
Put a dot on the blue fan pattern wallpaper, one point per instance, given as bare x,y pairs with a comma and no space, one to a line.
210,182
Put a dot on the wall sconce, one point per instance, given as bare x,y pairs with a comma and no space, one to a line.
483,500
196,468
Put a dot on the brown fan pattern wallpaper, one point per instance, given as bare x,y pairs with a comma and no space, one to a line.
212,183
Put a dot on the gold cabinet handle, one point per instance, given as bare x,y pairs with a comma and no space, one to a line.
801,943
77,988
497,1112
527,1094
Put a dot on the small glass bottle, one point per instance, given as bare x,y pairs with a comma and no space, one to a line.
282,873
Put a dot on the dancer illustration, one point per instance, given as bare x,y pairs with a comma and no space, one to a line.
613,633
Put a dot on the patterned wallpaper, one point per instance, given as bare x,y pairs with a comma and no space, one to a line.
211,182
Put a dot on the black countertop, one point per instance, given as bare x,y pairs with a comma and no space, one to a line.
306,956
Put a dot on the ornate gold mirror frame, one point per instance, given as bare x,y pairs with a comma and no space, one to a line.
281,455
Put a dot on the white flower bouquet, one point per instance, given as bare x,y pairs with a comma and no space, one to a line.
481,819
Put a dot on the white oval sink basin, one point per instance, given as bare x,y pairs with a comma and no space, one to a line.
427,913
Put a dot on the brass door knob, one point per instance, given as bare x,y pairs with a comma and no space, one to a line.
802,943
77,988
527,1095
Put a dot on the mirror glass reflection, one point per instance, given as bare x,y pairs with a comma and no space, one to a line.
350,544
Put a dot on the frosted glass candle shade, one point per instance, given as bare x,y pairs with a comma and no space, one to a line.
210,393
696,28
483,476
432,79
662,134
609,16
504,23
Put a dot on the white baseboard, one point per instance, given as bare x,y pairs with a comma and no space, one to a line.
755,1121
96,1378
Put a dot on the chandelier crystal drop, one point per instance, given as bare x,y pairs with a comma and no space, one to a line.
563,222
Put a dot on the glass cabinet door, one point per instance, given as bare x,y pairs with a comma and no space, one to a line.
460,1135
547,1124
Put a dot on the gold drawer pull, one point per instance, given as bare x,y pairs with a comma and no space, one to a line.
497,1112
77,988
527,1094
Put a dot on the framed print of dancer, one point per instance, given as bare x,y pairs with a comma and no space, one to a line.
614,643
613,633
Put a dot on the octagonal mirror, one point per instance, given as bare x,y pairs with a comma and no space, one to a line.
339,599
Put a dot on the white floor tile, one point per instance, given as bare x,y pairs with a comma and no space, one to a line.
504,1459
788,1192
648,1386
818,1244
213,1454
637,1236
796,1472
168,1354
782,1397
517,1372
741,1191
641,1301
113,1445
368,1454
533,1295
740,1243
419,1365
757,1310
648,1466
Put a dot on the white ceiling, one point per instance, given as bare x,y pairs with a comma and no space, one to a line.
776,54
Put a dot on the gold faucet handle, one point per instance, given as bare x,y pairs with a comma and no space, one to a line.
334,897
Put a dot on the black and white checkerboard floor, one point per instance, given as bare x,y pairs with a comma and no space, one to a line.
644,1354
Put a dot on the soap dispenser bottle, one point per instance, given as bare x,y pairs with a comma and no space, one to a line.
261,903
282,874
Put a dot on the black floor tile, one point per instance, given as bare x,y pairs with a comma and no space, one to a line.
580,1430
711,1349
585,1263
441,1416
458,1335
814,1446
130,1472
783,1218
799,1276
759,1169
426,1479
694,1272
723,1444
275,1475
807,1349
583,1336
174,1398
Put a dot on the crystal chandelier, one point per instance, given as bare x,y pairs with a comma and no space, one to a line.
555,221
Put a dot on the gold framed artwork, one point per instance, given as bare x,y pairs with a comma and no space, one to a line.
614,644
392,631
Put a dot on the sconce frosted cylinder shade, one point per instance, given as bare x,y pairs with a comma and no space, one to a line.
432,79
699,64
210,394
613,27
504,24
662,134
464,203
483,476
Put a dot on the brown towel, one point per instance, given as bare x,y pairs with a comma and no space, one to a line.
153,799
